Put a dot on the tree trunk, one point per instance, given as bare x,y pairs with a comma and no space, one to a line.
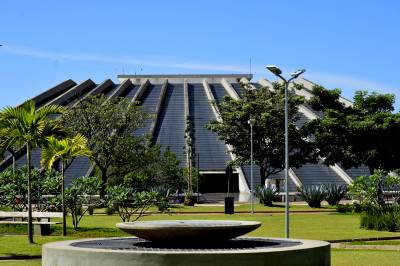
190,176
13,163
63,200
103,183
379,188
30,227
262,175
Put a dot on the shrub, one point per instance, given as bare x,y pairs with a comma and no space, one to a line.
129,203
162,198
110,210
383,218
313,195
334,193
357,207
266,194
46,187
369,190
344,208
82,192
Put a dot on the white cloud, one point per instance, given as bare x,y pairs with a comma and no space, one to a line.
348,83
96,58
351,82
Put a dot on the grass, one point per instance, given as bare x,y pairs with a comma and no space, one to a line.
339,258
277,207
314,225
364,257
385,242
324,226
21,262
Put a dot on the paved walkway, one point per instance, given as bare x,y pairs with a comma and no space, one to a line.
365,247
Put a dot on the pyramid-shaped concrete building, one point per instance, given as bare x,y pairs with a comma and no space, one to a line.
171,98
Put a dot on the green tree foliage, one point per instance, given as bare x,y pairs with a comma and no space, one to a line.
154,168
65,150
27,126
363,134
108,125
266,106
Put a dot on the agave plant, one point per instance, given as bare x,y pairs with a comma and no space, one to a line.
266,194
334,193
313,195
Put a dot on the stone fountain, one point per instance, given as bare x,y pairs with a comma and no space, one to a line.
187,242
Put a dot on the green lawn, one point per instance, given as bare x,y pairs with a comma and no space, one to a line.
364,258
278,207
317,225
386,242
21,263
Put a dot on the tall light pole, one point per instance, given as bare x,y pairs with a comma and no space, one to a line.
251,122
277,72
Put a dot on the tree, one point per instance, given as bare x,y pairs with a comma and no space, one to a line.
190,153
266,106
26,125
65,151
108,125
155,168
363,134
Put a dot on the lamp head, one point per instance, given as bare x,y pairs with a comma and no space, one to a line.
297,73
274,69
251,121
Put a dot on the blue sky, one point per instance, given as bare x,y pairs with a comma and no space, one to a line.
351,45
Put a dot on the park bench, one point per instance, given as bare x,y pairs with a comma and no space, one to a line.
40,227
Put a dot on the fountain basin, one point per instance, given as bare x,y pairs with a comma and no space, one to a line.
188,230
237,252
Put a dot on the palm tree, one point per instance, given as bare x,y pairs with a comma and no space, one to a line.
64,150
28,126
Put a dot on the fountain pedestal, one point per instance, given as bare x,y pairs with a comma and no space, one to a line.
210,245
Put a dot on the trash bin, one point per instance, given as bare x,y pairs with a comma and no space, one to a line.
229,207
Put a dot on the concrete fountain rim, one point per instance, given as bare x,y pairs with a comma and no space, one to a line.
68,246
187,224
188,230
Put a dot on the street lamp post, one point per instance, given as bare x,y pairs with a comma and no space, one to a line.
251,122
277,72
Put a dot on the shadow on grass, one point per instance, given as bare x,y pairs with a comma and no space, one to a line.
95,232
18,256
